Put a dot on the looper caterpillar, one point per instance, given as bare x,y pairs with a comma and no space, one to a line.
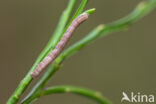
60,46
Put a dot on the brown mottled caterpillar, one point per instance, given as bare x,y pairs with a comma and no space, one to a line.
60,46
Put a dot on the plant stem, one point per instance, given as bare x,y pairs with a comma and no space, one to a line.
75,90
62,24
27,79
103,30
55,39
96,96
79,10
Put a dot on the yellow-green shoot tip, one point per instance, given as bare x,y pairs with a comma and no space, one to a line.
90,11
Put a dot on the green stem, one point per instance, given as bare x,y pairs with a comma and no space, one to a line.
27,79
40,84
62,24
96,96
79,10
55,39
103,30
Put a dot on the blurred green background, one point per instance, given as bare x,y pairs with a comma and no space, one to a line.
123,61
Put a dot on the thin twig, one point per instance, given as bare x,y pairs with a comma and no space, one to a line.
104,30
93,95
96,96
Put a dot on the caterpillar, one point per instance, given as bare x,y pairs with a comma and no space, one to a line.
60,46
